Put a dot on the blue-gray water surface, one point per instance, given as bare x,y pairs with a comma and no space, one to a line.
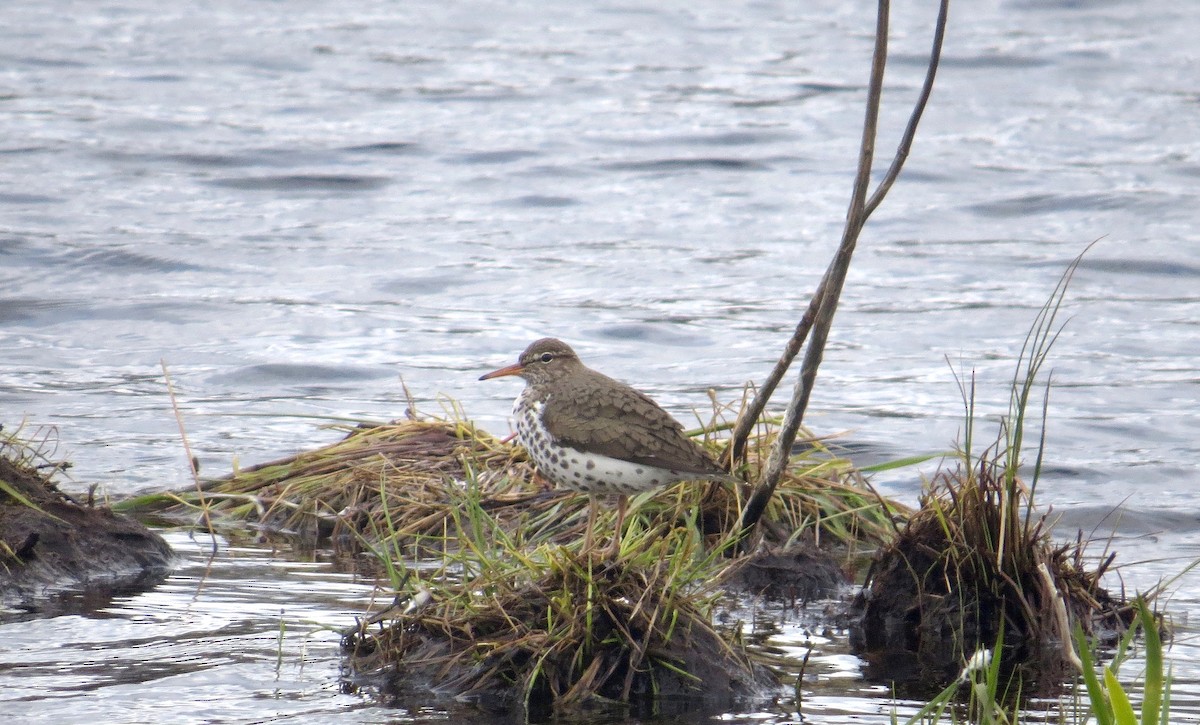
300,208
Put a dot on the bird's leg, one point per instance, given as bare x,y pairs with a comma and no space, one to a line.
614,549
591,524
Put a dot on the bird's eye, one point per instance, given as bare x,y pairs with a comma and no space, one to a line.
547,357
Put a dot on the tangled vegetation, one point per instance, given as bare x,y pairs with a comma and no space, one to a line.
495,598
403,482
552,628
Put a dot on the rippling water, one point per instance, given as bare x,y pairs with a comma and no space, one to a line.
295,205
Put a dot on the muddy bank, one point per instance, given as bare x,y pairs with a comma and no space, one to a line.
50,543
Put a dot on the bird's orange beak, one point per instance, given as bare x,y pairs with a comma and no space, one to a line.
514,369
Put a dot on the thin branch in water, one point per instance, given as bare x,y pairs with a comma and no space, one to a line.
910,131
834,278
745,424
830,289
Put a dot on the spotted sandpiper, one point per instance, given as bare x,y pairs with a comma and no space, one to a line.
590,433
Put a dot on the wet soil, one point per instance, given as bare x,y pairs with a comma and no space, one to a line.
800,573
702,678
59,545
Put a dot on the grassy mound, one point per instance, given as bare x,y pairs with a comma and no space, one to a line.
553,630
973,567
976,568
404,481
496,600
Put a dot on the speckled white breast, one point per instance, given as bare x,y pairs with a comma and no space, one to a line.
577,470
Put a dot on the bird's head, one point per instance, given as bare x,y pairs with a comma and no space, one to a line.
543,360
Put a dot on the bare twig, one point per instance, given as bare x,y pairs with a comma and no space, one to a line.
821,310
910,131
745,424
834,277
187,447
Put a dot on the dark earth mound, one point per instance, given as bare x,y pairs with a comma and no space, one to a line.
51,544
802,572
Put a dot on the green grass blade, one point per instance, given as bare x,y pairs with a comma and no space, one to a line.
993,671
932,711
1166,700
1096,697
1152,697
9,489
904,462
1123,713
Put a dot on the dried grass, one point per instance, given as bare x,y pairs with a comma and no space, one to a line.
403,481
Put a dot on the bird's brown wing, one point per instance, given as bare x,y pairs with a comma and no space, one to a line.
615,420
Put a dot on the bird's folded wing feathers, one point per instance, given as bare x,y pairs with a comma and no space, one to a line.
626,424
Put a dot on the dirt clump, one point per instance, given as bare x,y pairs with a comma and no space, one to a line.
52,544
